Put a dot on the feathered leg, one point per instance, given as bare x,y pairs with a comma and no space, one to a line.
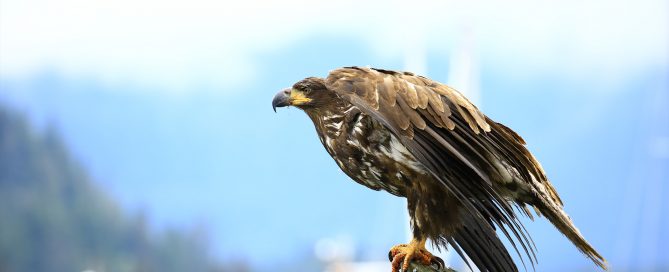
401,255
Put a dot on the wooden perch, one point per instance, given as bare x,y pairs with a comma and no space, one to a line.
414,267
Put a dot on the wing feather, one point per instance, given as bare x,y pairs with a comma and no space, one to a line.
414,116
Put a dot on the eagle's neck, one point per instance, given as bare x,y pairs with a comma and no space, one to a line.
331,120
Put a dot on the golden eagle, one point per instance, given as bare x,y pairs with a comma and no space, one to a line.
461,172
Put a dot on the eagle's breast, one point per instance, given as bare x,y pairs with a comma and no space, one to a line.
367,151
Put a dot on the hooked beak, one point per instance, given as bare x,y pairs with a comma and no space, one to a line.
281,99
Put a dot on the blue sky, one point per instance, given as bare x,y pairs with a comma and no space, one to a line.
172,115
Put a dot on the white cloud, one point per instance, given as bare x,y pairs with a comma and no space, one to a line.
176,45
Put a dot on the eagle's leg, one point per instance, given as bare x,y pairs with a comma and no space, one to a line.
402,255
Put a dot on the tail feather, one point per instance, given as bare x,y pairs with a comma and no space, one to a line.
563,223
481,244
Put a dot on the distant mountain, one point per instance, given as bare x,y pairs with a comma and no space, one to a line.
54,218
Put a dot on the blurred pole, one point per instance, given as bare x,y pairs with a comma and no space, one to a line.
463,68
414,28
463,76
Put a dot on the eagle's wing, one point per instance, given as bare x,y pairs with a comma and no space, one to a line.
443,130
469,153
407,103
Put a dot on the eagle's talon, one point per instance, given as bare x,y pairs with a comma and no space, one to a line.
401,256
394,251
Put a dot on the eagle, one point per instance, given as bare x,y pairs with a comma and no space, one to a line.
465,176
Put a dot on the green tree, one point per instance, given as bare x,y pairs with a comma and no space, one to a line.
53,217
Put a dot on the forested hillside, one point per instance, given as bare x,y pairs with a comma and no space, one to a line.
53,217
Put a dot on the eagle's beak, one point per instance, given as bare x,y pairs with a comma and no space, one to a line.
281,99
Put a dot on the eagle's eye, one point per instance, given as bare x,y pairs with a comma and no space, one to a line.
299,96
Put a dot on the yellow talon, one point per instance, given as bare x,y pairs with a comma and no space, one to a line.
414,251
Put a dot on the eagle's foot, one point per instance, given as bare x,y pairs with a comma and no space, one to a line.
401,256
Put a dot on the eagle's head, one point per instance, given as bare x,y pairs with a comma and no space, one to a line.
307,94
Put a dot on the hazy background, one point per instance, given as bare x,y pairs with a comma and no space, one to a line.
139,136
